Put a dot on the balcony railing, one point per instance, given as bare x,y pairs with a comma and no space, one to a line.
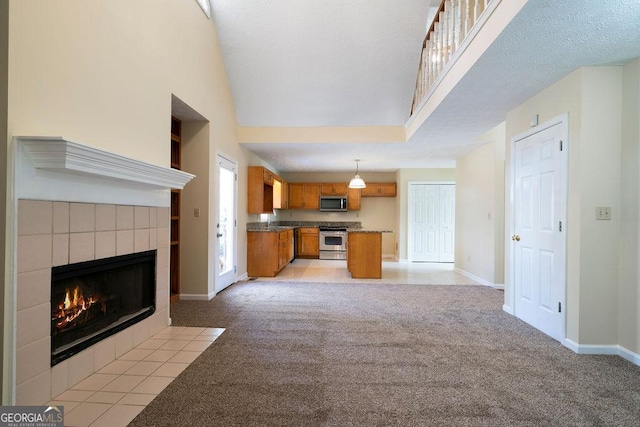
451,25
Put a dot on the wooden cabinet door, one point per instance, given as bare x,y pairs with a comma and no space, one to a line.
311,196
333,189
371,190
296,196
290,245
307,244
283,251
354,199
387,189
259,192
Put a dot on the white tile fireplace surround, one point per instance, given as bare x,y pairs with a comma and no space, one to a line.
75,203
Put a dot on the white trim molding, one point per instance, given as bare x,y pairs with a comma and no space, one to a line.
478,279
611,350
55,153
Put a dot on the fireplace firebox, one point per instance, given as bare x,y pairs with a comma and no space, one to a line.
93,300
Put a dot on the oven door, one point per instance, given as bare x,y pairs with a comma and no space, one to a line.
333,241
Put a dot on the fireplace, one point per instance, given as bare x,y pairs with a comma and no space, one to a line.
93,300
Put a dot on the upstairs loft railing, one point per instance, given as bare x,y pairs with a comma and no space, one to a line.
452,23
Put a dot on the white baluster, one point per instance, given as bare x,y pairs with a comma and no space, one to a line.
432,61
445,33
476,11
467,17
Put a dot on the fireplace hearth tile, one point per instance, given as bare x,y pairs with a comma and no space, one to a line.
124,383
60,217
153,238
105,244
124,217
36,389
34,360
118,367
185,356
124,242
153,343
144,368
141,240
83,365
152,385
60,378
68,405
169,369
136,399
136,354
161,355
153,217
34,252
141,217
85,413
33,324
74,395
141,332
105,397
95,382
174,344
36,217
82,217
119,415
105,217
197,346
105,353
33,288
124,342
82,247
60,254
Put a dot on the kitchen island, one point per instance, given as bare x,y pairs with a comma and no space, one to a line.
364,253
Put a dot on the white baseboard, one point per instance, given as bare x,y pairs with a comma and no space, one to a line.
478,279
242,277
613,350
508,309
197,297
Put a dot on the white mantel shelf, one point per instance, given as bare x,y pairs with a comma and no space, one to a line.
55,153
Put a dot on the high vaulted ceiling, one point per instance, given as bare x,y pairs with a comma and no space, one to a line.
334,63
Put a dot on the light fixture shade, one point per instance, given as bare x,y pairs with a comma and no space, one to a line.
357,182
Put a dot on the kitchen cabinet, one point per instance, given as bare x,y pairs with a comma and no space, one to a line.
354,199
307,242
364,255
260,190
334,189
268,252
304,196
381,189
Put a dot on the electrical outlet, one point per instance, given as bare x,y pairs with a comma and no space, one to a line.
196,212
603,212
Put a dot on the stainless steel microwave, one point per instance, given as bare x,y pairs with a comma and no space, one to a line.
333,203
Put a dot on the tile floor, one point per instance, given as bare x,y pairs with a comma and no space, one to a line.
335,271
117,393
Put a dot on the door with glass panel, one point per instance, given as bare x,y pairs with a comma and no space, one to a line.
226,223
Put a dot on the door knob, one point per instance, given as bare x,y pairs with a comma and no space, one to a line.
515,237
220,235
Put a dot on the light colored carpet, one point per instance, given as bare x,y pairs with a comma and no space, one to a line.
298,354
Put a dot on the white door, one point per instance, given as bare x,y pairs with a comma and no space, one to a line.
539,230
226,224
431,222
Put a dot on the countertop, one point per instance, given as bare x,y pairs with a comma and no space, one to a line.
367,230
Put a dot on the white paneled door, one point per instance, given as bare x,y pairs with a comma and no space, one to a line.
431,222
538,239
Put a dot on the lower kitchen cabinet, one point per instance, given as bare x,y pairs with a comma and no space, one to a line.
307,242
364,255
268,252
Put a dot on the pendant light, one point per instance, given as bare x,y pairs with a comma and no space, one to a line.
356,181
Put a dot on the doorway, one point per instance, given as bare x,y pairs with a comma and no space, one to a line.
539,188
431,226
226,223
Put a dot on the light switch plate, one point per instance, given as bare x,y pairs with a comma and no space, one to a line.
603,212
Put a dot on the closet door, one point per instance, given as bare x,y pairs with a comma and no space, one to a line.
431,222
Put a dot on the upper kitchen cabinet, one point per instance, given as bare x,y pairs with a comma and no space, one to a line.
260,190
280,193
380,189
333,189
353,199
304,196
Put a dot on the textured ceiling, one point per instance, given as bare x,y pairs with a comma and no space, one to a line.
297,63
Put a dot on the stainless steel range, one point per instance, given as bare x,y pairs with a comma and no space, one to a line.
333,242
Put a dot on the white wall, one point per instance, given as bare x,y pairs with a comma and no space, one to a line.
479,213
629,296
592,96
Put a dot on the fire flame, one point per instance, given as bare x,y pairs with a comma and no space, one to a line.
73,306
